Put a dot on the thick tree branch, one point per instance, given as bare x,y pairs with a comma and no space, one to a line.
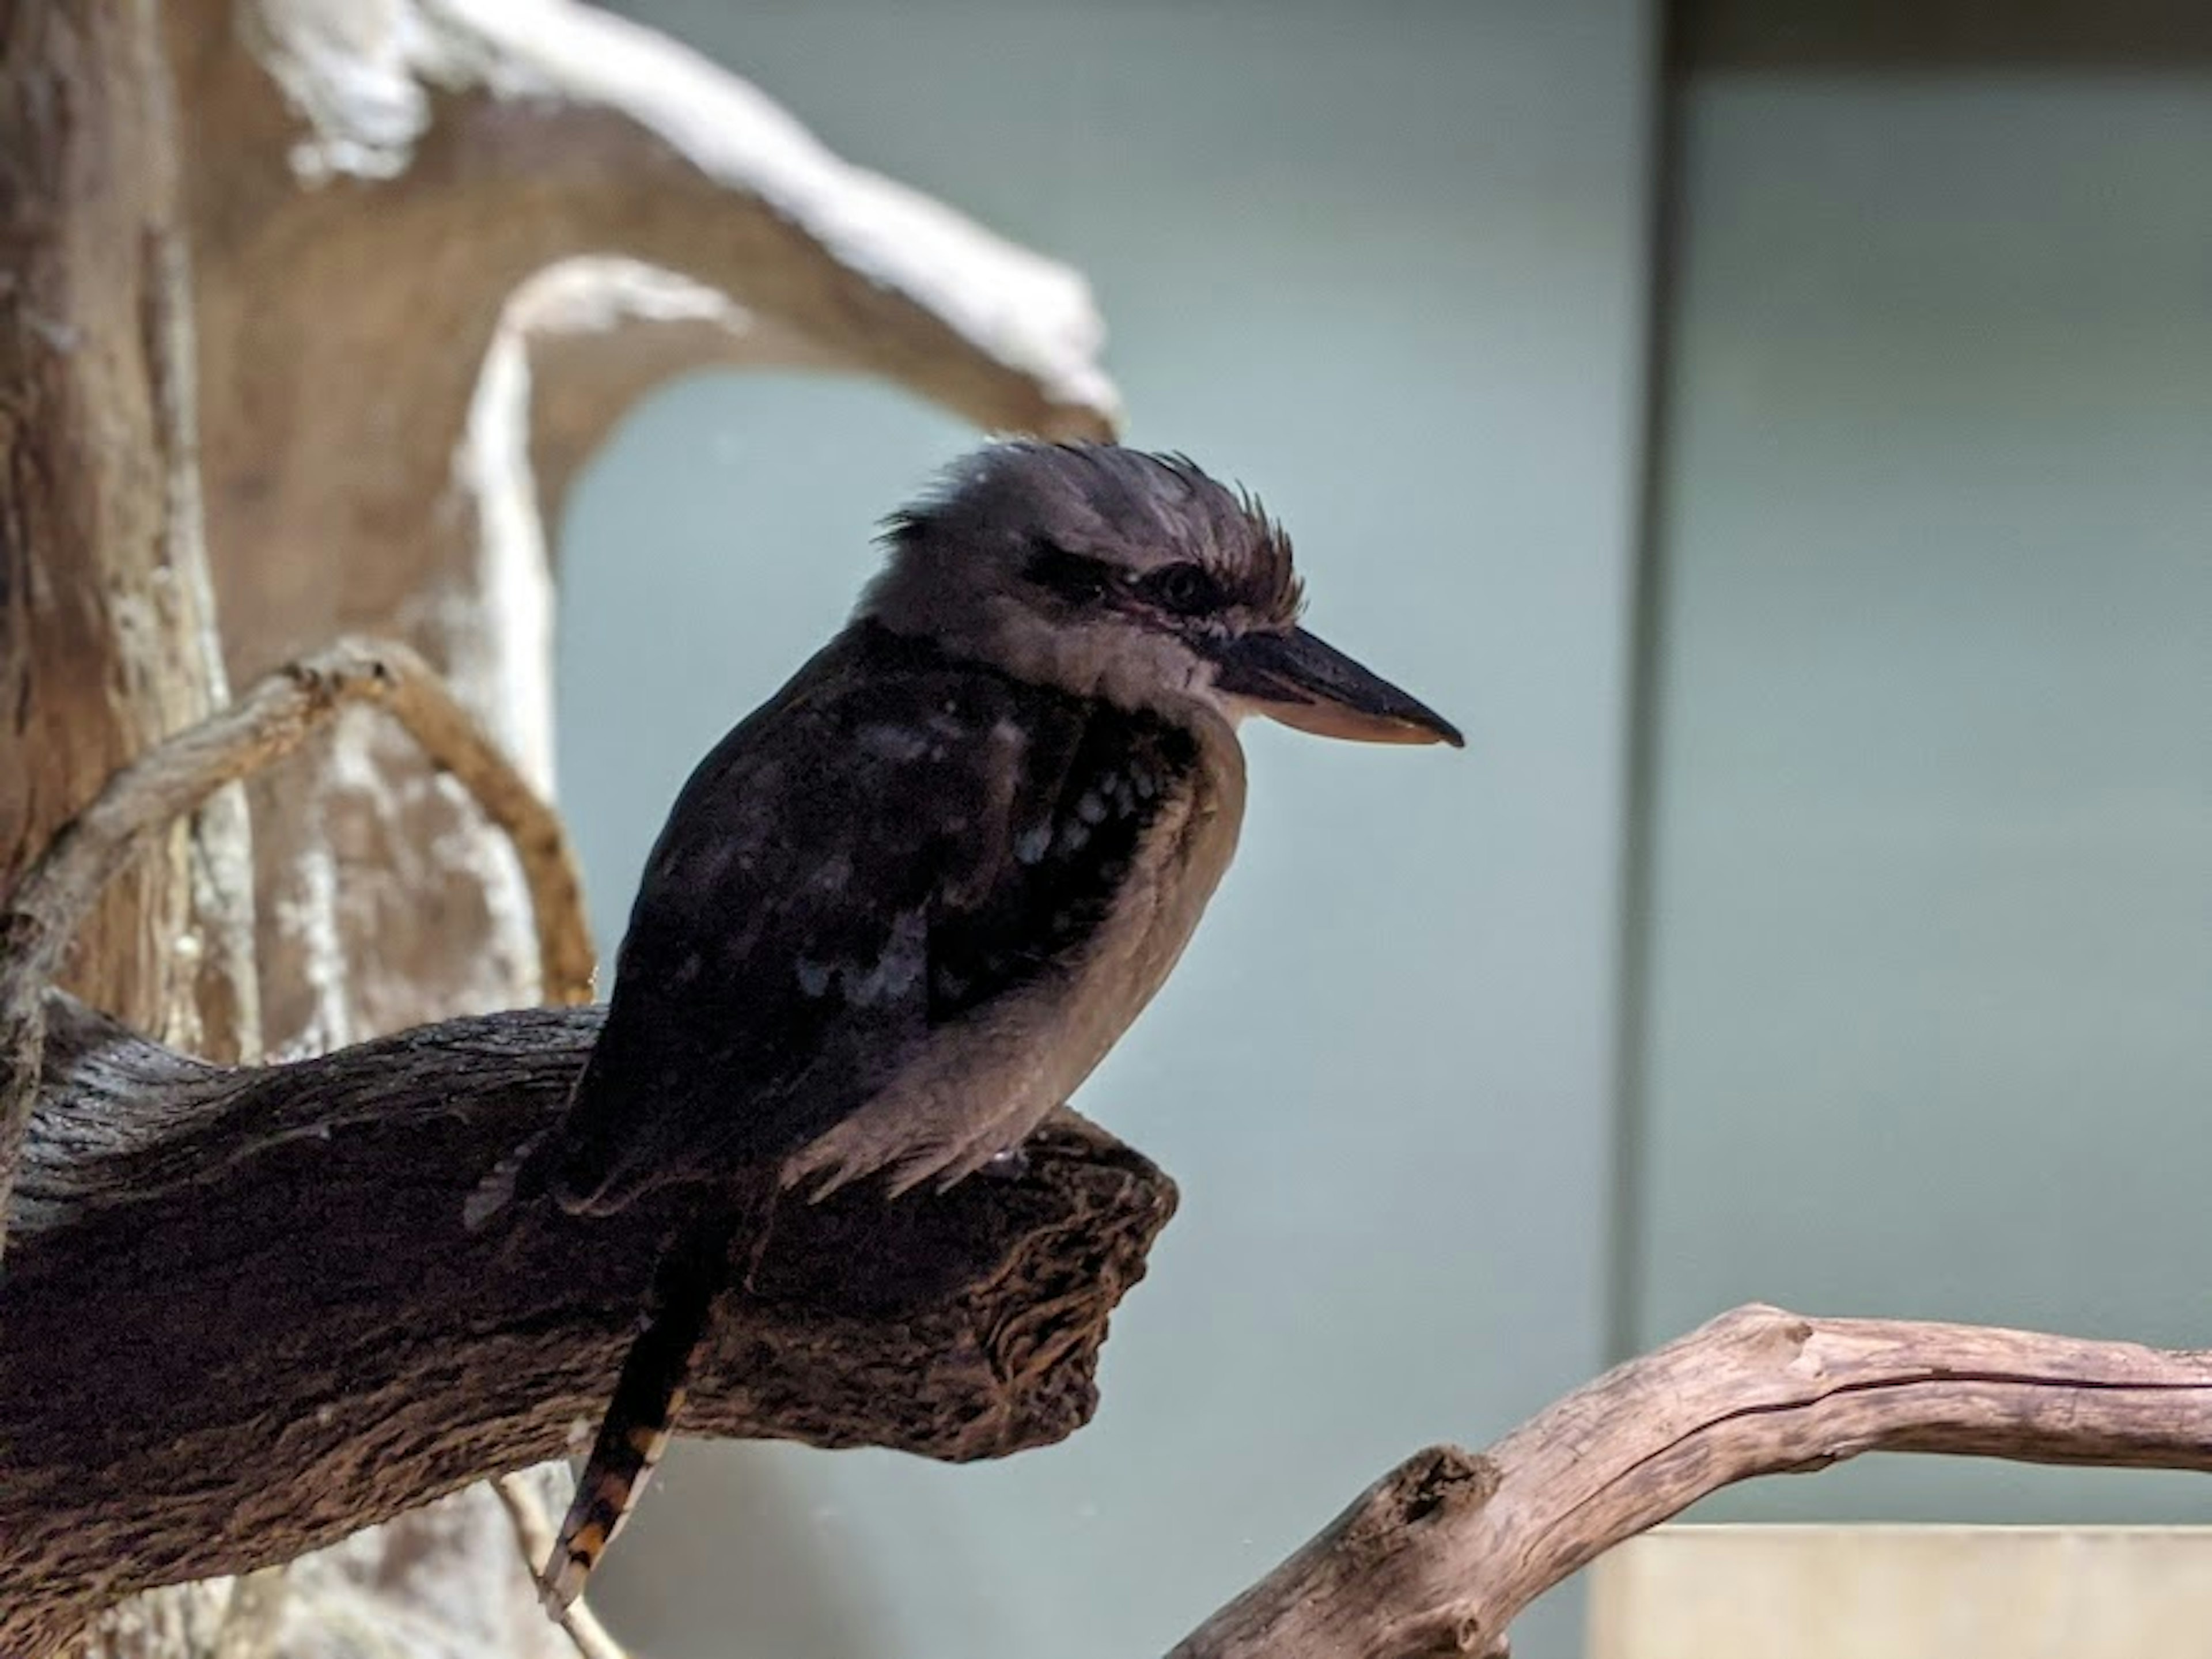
178,774
1444,1551
243,1318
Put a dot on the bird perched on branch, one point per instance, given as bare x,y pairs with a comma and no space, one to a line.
904,908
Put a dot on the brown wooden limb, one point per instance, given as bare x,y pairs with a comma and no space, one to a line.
1441,1554
242,1317
177,775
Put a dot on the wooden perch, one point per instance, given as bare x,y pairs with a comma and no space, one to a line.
62,885
242,1317
1442,1552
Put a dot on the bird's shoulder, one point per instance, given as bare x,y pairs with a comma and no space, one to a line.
889,775
880,777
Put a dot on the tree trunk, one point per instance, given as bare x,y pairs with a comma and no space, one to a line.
105,611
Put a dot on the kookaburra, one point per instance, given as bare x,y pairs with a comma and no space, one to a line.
901,912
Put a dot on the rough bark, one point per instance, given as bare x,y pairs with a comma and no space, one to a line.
106,640
1440,1554
243,1317
140,803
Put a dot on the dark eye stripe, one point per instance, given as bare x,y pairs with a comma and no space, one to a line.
1070,575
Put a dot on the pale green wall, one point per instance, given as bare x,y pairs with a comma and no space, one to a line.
1384,265
1931,1014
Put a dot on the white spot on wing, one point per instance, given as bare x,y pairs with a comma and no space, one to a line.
891,742
899,968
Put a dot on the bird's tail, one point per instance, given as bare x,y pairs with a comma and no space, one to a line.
647,1396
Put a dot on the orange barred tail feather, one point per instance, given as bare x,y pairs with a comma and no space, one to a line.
647,1396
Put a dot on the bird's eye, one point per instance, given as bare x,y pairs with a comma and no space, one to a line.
1188,590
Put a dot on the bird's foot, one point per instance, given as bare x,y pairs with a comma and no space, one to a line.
1010,1166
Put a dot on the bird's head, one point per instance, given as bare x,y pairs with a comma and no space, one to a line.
1110,573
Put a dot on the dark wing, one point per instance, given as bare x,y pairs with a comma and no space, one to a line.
895,837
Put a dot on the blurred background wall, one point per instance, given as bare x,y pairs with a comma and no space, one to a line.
1927,1014
1823,909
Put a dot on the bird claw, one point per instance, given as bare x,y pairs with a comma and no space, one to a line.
1012,1164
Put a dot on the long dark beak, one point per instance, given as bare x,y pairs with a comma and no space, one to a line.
1296,679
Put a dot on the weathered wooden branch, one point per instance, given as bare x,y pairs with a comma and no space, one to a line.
64,884
1442,1552
242,1317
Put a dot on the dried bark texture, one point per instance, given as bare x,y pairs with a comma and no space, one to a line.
105,641
144,799
243,1318
1444,1551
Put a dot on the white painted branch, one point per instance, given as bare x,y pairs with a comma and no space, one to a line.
619,139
